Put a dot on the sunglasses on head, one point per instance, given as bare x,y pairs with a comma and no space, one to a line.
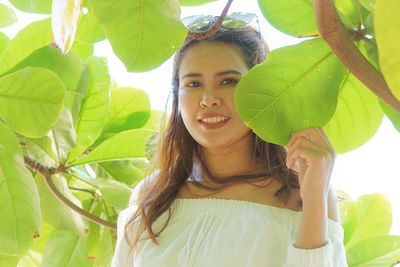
236,20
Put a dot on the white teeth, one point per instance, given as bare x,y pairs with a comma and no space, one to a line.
214,119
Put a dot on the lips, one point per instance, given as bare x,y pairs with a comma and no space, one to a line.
212,115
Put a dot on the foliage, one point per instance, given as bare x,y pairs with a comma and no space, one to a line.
60,115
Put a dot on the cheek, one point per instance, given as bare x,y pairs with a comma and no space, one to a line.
187,107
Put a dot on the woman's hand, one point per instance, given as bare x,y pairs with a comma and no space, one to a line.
315,159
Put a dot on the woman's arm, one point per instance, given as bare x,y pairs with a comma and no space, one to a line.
313,227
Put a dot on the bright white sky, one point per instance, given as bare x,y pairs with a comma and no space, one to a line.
372,168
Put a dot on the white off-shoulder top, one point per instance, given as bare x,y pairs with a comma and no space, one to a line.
213,232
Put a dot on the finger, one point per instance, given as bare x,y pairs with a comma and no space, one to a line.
300,143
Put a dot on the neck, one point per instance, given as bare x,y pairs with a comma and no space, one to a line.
230,160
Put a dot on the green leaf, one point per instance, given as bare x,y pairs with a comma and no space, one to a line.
94,108
40,242
8,261
349,12
106,249
195,2
375,251
357,117
125,145
3,42
7,16
56,213
32,37
392,114
63,135
115,193
42,150
293,17
65,249
129,109
368,216
82,49
158,121
138,37
93,235
126,171
70,68
33,6
32,259
20,220
368,4
31,100
295,88
387,30
90,30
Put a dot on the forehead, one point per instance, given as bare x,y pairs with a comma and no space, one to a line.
212,57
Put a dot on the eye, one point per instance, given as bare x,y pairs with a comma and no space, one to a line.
232,81
193,82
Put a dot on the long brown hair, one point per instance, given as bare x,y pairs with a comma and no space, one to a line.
177,150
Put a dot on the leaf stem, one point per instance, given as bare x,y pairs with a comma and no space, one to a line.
339,39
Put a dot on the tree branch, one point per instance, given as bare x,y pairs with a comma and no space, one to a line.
338,38
47,172
71,205
214,28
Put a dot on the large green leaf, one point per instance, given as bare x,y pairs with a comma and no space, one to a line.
93,235
94,108
31,259
387,31
82,49
295,88
129,109
3,42
145,33
70,68
158,121
293,17
65,249
89,29
56,213
41,149
63,135
19,198
126,171
195,2
32,37
115,193
8,261
7,16
125,145
31,100
357,117
368,216
375,251
106,249
33,6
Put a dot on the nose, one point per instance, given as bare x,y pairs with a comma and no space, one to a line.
209,99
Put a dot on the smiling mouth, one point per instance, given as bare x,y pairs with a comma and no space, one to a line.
213,123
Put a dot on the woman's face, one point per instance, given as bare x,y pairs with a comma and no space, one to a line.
208,75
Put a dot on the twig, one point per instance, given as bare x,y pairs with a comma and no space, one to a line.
214,28
47,172
71,205
338,38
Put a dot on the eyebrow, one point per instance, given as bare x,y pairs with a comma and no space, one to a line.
221,73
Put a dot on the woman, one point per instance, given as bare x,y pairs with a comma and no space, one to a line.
265,209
